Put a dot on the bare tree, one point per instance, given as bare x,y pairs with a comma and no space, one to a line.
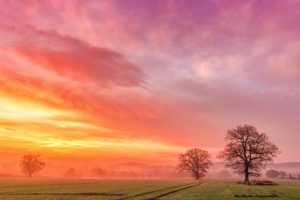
247,151
70,173
272,173
283,174
196,161
99,172
31,164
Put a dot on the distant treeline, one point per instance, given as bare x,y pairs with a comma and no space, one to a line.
281,174
150,172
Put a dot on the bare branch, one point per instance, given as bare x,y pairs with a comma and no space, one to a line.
196,161
247,151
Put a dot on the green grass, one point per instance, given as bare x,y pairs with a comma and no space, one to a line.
143,190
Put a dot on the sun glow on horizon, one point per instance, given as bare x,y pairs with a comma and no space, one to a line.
23,113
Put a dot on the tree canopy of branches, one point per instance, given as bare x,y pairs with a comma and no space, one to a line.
283,174
31,164
70,173
247,151
272,173
196,161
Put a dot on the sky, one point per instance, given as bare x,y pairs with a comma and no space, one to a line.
88,81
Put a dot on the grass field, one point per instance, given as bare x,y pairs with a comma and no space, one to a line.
143,190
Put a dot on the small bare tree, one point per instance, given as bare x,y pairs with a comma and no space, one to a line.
196,161
283,174
71,173
247,151
272,173
31,164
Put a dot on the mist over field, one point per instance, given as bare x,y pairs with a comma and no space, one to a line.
134,170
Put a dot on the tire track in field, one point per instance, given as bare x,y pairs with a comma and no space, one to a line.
159,190
174,191
257,195
44,184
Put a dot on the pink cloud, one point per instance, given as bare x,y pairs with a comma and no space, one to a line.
74,58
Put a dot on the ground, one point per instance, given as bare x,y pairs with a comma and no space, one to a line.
143,190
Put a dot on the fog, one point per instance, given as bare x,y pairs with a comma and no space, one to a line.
132,170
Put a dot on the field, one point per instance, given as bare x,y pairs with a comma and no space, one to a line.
143,190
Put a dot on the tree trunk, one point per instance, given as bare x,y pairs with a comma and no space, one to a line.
247,180
196,175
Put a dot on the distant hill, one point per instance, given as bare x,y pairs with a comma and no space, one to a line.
216,165
288,164
292,168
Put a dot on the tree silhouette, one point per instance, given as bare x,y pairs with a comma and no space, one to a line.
31,164
196,161
70,173
283,174
272,173
247,151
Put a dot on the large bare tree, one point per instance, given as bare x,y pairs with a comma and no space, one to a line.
31,164
247,151
196,161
